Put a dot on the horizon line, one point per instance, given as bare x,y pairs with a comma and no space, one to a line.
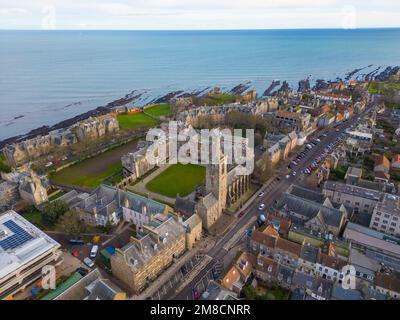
227,29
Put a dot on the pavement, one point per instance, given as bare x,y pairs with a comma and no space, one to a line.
141,186
273,190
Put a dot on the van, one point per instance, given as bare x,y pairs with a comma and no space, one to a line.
93,252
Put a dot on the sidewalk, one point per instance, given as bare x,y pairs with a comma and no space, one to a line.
141,187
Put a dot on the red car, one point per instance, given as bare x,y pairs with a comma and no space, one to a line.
75,253
241,214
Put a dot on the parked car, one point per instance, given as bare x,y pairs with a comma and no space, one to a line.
261,207
89,262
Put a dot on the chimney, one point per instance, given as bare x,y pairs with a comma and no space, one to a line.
94,211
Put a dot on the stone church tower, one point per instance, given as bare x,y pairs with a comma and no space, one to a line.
217,180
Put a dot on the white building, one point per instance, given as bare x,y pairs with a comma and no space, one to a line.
24,251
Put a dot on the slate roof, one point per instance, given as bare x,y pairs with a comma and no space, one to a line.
309,253
303,280
290,203
185,206
307,194
339,293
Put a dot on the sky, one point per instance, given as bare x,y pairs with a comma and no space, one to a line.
197,14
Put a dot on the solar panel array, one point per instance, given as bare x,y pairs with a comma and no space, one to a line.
19,237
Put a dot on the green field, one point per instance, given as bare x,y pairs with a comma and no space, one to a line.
94,171
136,120
178,179
3,166
159,110
76,175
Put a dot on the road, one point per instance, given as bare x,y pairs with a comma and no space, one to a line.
273,191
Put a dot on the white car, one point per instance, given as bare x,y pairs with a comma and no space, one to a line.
93,252
294,173
261,194
261,207
89,262
288,176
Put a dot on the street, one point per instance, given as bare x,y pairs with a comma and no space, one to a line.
272,192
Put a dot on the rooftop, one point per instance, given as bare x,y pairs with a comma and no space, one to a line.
372,238
353,190
20,242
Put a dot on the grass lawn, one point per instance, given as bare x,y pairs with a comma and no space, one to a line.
94,171
158,110
178,179
56,195
74,176
3,166
136,120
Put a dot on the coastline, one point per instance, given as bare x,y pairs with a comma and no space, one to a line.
271,90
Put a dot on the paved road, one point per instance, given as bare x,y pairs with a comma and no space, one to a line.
273,191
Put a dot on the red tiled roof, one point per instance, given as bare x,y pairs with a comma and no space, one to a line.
382,160
390,282
263,239
288,246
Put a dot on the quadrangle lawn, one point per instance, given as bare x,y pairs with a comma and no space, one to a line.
136,120
178,179
94,171
158,110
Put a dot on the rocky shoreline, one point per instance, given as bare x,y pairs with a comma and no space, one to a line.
134,96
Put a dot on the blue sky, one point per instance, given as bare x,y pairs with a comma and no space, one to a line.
197,14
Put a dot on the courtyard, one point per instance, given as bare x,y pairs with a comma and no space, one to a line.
177,179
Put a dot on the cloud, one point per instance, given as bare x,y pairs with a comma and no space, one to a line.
13,11
195,14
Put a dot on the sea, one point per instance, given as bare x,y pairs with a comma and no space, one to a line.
50,76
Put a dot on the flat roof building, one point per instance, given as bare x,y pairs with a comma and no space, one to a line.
24,251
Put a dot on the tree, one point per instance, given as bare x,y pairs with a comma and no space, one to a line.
52,212
71,224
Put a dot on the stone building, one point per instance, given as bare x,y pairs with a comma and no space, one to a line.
32,190
9,194
194,229
238,185
211,206
279,146
95,128
149,156
149,253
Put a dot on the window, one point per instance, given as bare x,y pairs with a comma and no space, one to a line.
386,216
393,224
385,222
378,213
376,218
395,218
376,224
